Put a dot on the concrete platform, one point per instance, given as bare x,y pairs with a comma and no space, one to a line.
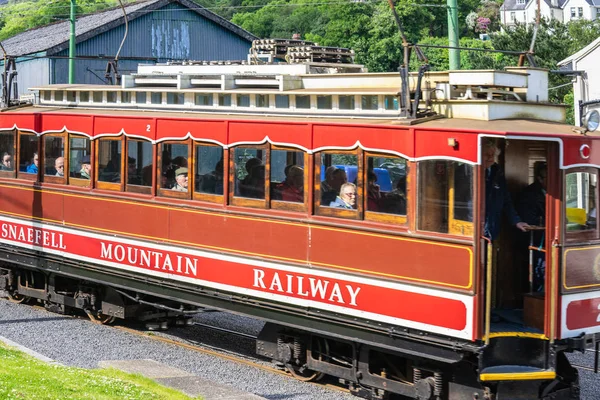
180,380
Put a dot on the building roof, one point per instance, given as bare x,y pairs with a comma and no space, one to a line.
581,53
511,5
55,37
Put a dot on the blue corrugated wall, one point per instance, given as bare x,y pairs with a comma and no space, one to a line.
169,33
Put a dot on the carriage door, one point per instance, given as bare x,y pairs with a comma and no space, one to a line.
517,266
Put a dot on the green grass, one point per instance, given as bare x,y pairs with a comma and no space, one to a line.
23,377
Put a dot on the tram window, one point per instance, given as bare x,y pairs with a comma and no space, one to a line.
156,98
287,176
324,102
97,97
84,97
111,97
7,148
225,100
581,201
204,99
249,172
139,163
243,100
47,95
369,102
54,152
58,95
209,169
109,160
174,166
175,98
446,197
303,101
346,102
262,100
337,169
140,98
28,154
79,157
71,97
390,102
386,185
125,97
282,101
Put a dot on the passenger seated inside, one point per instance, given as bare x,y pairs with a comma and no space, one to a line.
59,166
373,192
347,197
181,180
277,189
294,189
253,185
213,182
330,187
86,168
394,202
133,177
6,162
32,168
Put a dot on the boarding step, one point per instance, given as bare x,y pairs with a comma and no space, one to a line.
517,356
515,373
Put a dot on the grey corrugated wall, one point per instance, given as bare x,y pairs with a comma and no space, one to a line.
170,33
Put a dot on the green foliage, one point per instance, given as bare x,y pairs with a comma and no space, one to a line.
569,101
23,377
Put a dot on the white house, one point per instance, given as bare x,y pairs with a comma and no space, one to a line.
525,11
586,86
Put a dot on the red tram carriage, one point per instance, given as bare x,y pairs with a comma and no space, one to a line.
394,295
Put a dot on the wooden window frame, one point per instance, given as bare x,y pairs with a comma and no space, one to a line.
290,205
53,178
209,197
138,188
170,193
86,183
589,235
25,175
246,201
326,211
374,216
117,187
11,174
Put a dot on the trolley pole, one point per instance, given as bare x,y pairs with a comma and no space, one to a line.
454,55
72,45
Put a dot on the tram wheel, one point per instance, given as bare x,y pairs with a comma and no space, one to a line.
100,318
18,298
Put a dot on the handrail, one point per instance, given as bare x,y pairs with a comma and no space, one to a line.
553,291
488,289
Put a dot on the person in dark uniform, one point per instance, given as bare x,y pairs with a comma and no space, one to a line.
497,196
532,209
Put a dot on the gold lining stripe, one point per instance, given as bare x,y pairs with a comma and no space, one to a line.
529,335
518,376
259,219
564,269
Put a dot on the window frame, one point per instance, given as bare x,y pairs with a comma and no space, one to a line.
85,183
11,174
170,193
356,214
246,201
138,188
113,186
52,178
577,237
26,175
289,205
209,197
388,218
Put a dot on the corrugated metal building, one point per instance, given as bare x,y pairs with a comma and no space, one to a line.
159,31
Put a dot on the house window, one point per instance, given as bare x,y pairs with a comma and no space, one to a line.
513,17
580,12
573,15
521,2
597,12
524,16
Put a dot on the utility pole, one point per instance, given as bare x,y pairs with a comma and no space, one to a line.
72,45
454,54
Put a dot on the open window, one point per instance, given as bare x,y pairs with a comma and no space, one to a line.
248,186
7,152
288,179
29,159
209,172
581,199
445,197
339,184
